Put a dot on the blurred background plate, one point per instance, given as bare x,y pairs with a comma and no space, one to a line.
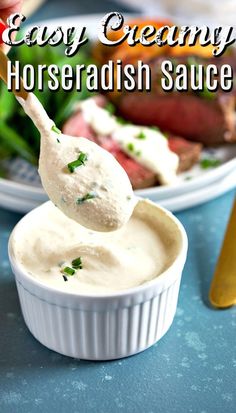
174,203
17,204
24,181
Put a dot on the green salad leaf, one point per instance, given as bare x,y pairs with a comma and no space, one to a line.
18,135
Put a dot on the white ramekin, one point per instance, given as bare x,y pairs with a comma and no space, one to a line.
101,327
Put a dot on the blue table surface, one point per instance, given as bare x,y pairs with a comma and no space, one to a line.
193,367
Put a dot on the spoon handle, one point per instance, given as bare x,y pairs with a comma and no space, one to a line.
3,74
223,287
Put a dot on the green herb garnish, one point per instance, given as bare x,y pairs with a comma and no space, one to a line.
68,271
122,121
110,108
209,163
83,157
138,153
141,135
130,147
206,93
56,130
58,140
155,128
23,141
77,263
88,196
80,161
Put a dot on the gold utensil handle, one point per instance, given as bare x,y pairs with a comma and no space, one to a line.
3,74
223,287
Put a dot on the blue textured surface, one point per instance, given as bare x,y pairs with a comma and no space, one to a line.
192,369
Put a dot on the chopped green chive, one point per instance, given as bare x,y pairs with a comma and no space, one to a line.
141,135
56,130
188,178
122,121
110,108
68,271
58,140
80,161
209,163
77,263
130,147
83,157
88,196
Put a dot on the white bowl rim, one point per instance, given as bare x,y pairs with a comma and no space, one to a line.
162,281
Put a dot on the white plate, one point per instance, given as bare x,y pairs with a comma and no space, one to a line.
23,174
21,195
17,204
201,195
174,204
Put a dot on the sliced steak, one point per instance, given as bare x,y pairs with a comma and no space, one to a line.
76,126
188,152
210,122
197,116
139,176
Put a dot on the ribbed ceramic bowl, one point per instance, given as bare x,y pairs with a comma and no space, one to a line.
100,327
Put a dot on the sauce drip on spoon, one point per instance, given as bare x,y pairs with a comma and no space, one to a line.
81,178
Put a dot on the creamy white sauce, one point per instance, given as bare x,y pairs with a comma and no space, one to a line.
101,120
140,249
152,151
98,194
138,252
